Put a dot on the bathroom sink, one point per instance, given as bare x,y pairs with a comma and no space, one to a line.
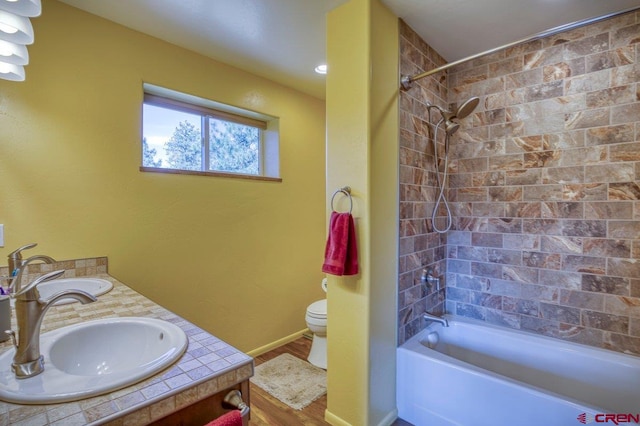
93,286
93,358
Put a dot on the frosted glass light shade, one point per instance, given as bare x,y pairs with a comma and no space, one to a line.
11,72
14,28
13,53
29,8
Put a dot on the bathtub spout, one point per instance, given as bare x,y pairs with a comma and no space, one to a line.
428,317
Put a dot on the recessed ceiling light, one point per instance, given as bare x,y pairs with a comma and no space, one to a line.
321,69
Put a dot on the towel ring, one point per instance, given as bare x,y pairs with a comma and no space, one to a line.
346,190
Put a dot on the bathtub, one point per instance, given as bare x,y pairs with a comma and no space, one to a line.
475,374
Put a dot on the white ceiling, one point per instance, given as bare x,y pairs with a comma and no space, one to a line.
283,40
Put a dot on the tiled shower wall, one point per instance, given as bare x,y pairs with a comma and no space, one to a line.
420,247
544,184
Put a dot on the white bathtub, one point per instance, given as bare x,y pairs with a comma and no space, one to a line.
479,374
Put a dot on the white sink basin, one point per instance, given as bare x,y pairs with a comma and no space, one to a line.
93,286
94,357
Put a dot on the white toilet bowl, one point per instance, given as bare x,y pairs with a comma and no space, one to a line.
317,322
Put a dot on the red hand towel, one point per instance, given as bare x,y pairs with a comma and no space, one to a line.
341,252
232,418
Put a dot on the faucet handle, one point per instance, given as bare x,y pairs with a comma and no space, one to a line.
16,253
39,280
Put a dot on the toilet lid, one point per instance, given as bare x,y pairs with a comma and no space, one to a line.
318,309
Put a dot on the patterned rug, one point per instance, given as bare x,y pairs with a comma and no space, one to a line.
291,380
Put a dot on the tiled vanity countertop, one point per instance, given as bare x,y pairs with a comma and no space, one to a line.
208,366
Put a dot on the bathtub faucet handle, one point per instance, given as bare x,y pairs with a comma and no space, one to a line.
427,277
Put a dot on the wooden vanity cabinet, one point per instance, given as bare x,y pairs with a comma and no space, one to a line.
204,411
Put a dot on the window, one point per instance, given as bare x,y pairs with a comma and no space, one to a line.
186,134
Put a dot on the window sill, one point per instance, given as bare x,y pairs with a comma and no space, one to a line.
211,174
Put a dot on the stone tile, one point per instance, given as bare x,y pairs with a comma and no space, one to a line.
521,306
507,257
625,36
505,193
623,267
542,226
573,174
504,225
484,239
582,299
607,210
622,305
561,210
542,260
542,326
470,311
611,96
559,244
587,118
486,270
625,151
472,282
589,82
608,322
542,193
563,70
624,229
610,135
610,173
588,46
610,59
502,318
529,210
584,228
624,191
505,287
622,343
564,314
539,292
607,247
625,113
520,274
523,177
521,241
584,264
561,279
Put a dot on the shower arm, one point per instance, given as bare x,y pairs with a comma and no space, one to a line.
406,80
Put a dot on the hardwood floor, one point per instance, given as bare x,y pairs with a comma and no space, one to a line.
269,411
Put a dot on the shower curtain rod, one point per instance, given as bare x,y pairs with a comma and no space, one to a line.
405,80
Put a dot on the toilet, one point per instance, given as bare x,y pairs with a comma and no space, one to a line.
317,322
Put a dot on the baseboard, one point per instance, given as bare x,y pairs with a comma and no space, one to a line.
334,420
337,421
266,348
389,418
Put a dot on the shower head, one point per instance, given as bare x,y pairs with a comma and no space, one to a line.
467,107
463,111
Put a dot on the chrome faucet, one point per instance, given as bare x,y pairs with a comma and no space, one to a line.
17,265
428,317
30,309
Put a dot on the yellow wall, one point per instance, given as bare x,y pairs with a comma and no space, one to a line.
362,152
240,258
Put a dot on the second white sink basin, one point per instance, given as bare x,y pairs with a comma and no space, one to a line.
94,357
94,286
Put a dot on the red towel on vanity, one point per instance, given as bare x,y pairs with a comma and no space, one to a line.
232,418
341,252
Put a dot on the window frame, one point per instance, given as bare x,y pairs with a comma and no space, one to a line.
268,150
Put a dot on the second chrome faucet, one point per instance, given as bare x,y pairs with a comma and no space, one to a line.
30,310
